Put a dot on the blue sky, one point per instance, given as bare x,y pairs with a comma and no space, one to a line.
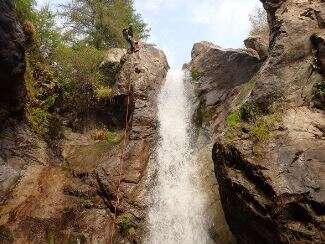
177,24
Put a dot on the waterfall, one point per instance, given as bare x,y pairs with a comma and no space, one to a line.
176,214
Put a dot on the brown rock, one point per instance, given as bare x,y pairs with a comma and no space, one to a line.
46,199
258,45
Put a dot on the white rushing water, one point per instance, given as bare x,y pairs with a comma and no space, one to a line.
176,216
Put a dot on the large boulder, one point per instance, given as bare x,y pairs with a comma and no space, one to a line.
218,73
12,62
269,152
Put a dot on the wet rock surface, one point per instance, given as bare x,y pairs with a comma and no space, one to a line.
270,168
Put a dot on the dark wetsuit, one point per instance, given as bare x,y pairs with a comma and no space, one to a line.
128,35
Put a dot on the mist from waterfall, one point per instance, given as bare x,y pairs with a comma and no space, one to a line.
177,212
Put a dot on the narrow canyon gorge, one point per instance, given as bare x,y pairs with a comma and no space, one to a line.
230,149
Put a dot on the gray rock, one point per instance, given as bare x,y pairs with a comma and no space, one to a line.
221,72
12,61
274,191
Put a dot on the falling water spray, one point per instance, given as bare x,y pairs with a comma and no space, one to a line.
177,212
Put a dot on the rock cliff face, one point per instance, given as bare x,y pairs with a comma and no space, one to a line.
12,62
268,120
72,198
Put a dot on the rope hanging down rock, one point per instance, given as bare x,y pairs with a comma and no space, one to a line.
122,156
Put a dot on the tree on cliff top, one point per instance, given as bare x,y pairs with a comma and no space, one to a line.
100,22
259,24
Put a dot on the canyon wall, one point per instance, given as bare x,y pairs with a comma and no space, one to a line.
71,194
267,117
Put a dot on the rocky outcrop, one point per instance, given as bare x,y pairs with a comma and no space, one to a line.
12,63
141,77
217,76
45,198
269,134
219,73
259,45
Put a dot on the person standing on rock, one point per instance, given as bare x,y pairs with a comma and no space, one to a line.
128,35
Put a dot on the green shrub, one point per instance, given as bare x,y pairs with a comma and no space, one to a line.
103,92
260,130
251,119
113,138
249,111
196,74
233,119
78,64
25,10
50,100
38,119
125,224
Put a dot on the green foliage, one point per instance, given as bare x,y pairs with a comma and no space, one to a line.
100,22
249,111
38,119
25,10
112,138
196,74
50,100
78,74
78,64
126,225
48,34
260,130
256,123
233,119
259,24
63,77
103,92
